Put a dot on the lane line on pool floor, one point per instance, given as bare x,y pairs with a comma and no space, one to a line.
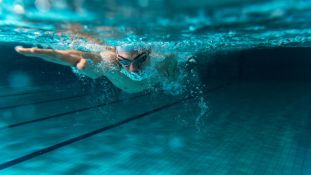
87,108
69,112
85,136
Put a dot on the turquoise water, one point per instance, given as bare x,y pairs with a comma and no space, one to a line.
243,109
193,27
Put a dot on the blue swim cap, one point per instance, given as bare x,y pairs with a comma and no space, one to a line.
126,48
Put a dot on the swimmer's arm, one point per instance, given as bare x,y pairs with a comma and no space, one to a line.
62,57
78,59
73,58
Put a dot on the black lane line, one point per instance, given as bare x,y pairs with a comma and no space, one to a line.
43,101
90,134
85,109
70,112
84,136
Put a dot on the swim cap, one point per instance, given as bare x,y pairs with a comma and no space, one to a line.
126,48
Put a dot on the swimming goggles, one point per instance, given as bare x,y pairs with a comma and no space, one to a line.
138,60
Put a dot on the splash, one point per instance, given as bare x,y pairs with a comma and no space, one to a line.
203,105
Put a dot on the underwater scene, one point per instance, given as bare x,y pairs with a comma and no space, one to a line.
155,87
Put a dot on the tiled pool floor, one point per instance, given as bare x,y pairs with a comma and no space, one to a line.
250,128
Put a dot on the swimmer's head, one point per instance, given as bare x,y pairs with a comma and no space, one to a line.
132,59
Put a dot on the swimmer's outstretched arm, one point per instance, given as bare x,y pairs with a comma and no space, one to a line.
64,57
78,59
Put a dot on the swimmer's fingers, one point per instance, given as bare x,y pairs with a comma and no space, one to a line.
48,52
45,54
24,51
35,51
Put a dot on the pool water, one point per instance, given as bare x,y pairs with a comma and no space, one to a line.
190,27
242,109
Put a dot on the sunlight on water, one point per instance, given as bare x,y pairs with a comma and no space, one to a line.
193,29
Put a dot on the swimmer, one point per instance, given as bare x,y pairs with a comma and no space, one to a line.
123,66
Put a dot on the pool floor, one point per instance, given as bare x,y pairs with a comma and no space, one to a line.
250,128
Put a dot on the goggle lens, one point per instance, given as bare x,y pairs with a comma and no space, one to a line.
139,60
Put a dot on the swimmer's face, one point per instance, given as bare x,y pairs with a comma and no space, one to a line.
132,61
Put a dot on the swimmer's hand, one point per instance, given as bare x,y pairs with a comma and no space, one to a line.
63,57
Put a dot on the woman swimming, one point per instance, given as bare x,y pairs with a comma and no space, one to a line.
130,69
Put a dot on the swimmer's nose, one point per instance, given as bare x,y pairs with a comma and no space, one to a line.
133,68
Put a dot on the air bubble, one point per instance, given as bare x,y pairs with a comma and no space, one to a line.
19,9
